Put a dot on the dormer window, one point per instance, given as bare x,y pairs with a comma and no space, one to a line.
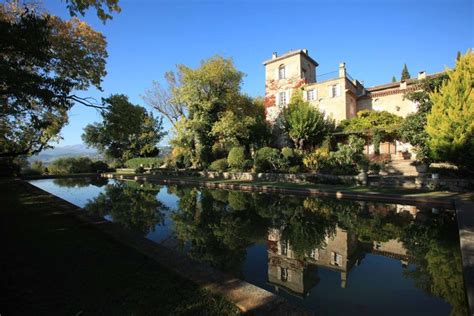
282,72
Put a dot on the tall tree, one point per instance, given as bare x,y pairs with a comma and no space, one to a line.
412,129
405,74
394,79
127,131
305,125
205,92
43,60
450,125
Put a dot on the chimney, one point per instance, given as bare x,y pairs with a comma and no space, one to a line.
422,75
403,85
274,55
342,70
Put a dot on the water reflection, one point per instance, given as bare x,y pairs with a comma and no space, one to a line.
131,205
304,237
307,234
80,182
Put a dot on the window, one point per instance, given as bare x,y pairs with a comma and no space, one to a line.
284,248
311,95
282,98
284,274
282,72
335,90
315,254
336,259
303,73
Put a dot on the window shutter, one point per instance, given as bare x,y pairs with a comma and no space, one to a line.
277,96
288,95
338,89
330,92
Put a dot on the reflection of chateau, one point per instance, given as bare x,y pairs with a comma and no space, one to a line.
340,252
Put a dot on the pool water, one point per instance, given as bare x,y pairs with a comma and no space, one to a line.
335,257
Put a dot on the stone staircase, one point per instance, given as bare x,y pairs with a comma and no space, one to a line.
400,167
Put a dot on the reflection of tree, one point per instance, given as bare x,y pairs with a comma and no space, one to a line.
218,234
435,247
132,208
80,182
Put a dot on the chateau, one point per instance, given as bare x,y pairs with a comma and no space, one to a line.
337,94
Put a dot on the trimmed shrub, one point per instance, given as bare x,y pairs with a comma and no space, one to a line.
99,166
219,165
150,162
237,159
269,159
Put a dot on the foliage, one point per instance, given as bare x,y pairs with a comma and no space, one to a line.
293,156
412,129
219,165
269,159
405,74
39,166
317,161
101,6
237,159
150,162
371,122
43,60
305,124
132,208
214,115
70,165
127,131
450,125
394,79
345,160
375,168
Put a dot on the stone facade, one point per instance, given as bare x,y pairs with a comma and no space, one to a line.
339,96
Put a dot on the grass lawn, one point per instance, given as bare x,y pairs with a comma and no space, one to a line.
54,264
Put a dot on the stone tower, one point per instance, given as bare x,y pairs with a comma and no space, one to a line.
282,75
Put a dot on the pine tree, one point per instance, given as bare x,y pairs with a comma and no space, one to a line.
458,56
450,125
394,79
405,73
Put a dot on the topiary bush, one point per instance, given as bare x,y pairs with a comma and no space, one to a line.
237,159
219,165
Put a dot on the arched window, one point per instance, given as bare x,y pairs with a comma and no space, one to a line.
282,72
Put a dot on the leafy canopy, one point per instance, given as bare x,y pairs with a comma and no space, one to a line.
43,60
305,125
127,131
450,125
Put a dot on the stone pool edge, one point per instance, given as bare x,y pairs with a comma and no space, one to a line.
465,216
247,297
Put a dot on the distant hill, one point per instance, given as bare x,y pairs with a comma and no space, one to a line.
79,150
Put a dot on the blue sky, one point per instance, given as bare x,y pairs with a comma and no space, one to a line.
374,38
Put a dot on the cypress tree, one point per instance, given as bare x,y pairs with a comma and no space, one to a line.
405,74
450,125
394,79
458,56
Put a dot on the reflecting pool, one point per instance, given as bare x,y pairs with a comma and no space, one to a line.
335,257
